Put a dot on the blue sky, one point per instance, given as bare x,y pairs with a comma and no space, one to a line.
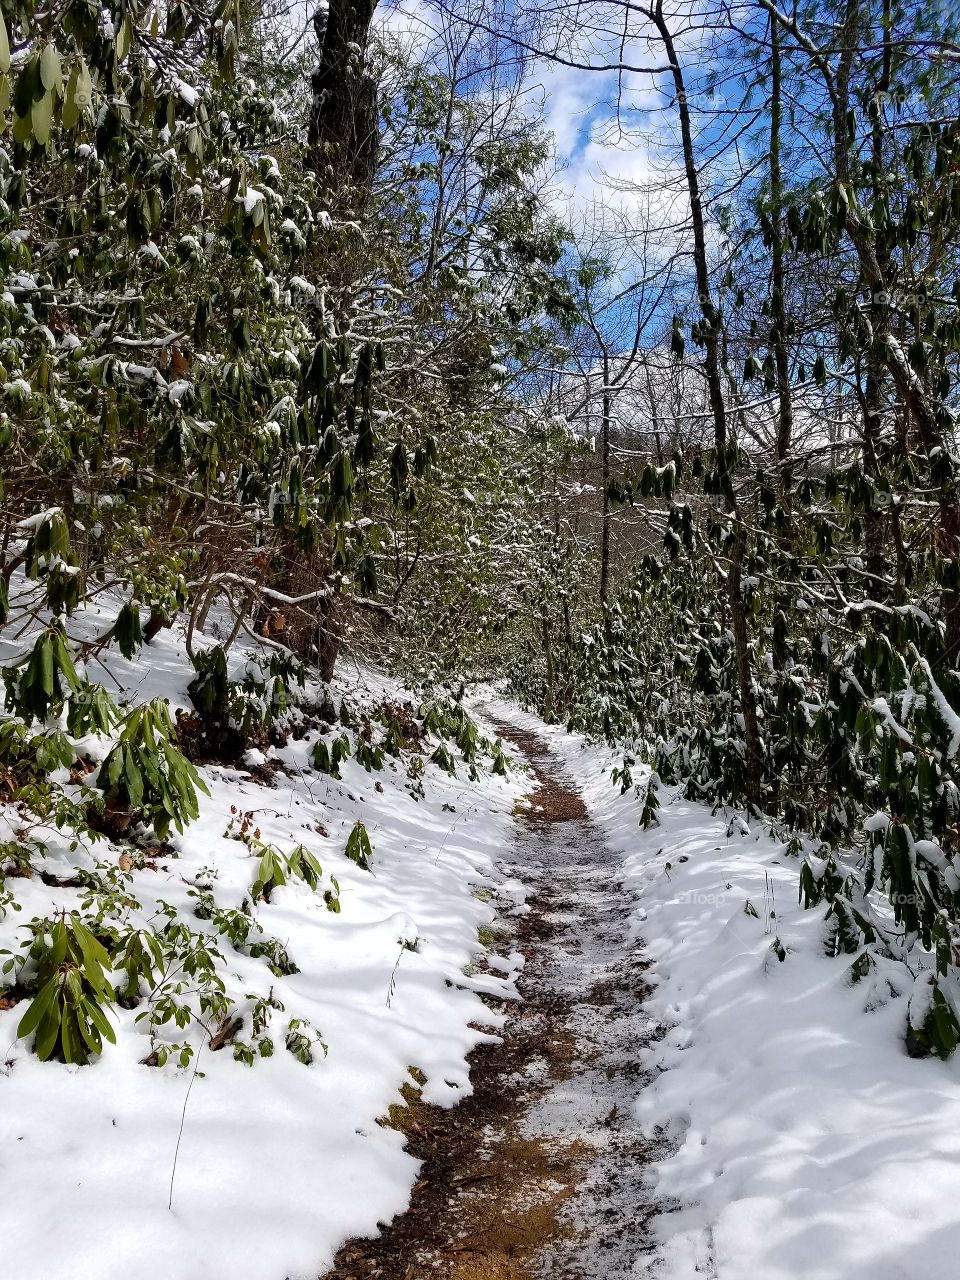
580,110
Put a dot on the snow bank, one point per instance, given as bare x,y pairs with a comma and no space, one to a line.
800,1140
278,1162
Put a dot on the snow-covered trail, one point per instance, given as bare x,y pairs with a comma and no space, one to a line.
693,1085
594,970
541,1172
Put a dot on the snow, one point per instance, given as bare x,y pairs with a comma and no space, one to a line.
876,822
177,390
187,93
882,709
303,286
32,523
949,716
791,1134
149,250
798,1139
250,199
279,1162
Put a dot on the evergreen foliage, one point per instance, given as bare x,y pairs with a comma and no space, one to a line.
255,386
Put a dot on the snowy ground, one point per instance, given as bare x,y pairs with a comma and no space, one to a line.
541,1174
791,1135
581,1107
279,1162
802,1141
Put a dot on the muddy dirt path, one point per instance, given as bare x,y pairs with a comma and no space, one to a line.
540,1173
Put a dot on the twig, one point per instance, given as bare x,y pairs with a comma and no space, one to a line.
183,1116
393,977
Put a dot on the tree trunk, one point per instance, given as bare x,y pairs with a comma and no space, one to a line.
741,641
873,395
154,625
711,342
922,407
708,308
343,140
328,640
605,485
778,291
548,662
343,129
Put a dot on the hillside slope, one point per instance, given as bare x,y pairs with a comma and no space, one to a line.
278,1161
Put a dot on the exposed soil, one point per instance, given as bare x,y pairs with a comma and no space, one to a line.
541,1172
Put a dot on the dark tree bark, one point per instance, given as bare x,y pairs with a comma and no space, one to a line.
778,275
712,366
343,132
605,484
328,643
548,697
874,390
343,138
872,254
708,308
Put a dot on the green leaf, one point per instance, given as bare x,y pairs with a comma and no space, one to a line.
73,1049
39,1005
47,1033
127,630
113,767
358,848
58,952
95,959
22,129
124,38
101,1021
23,89
70,110
63,660
51,74
45,659
134,782
88,1031
83,94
